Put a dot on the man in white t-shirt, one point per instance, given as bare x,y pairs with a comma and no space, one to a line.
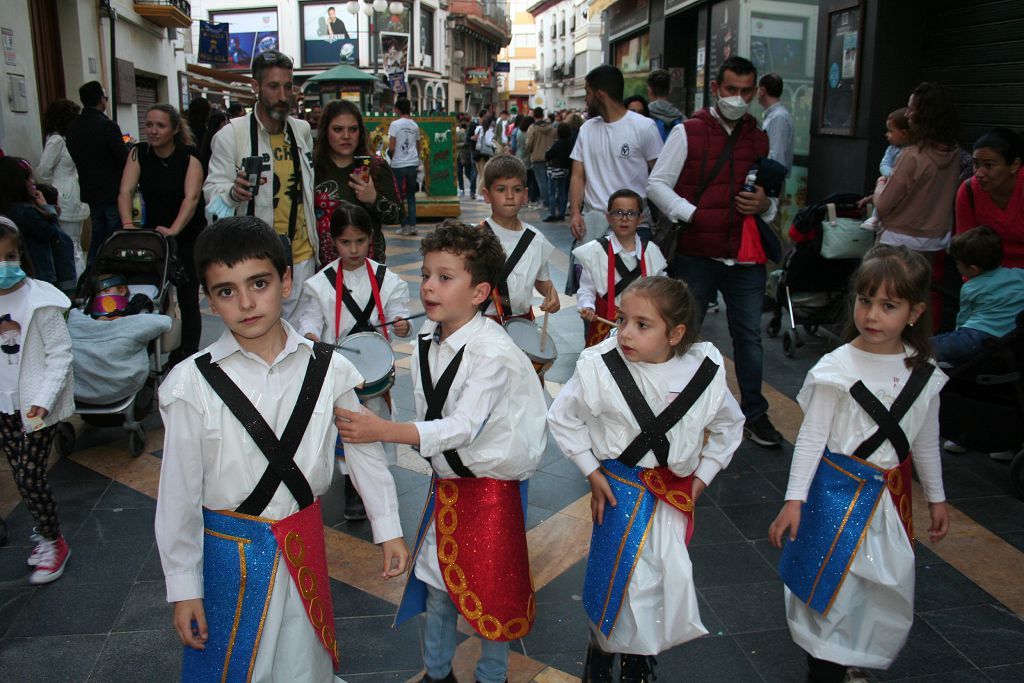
615,150
404,149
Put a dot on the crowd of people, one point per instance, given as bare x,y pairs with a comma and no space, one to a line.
286,238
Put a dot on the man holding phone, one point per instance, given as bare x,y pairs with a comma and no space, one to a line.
261,165
99,152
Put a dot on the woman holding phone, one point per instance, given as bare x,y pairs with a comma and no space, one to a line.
345,171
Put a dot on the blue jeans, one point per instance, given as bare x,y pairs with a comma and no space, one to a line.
406,177
558,195
440,639
105,221
959,346
540,172
469,169
742,288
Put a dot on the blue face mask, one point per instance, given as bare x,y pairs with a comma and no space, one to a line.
10,274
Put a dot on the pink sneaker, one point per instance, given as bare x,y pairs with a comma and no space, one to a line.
52,559
37,552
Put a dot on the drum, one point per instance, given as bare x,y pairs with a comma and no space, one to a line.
372,355
526,336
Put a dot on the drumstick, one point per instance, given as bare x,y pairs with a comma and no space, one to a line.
544,331
411,317
605,321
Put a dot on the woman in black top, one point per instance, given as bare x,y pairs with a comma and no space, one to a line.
167,171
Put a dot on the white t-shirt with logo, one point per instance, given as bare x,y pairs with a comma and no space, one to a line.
615,156
407,136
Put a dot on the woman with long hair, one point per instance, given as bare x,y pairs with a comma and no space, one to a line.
346,171
58,169
217,120
167,170
49,249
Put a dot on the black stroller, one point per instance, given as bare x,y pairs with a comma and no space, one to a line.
982,405
144,258
811,289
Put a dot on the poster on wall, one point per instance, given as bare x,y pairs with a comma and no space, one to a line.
839,98
633,58
777,45
250,32
725,22
213,43
395,49
328,38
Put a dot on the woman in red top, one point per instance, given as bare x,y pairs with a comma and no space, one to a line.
995,195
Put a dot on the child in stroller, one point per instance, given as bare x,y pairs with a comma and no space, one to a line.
118,357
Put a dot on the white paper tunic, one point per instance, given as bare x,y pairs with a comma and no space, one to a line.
532,267
594,259
871,616
591,421
210,461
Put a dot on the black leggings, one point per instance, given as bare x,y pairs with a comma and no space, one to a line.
29,456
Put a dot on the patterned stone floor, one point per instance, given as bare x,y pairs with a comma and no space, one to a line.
106,619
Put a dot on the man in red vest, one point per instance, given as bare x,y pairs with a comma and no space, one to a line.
698,181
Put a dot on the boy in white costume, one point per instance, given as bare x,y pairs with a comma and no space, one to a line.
248,449
849,563
633,418
480,424
526,250
613,262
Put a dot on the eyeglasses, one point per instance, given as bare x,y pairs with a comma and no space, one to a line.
620,214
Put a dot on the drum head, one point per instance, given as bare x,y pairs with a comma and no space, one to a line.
526,336
370,353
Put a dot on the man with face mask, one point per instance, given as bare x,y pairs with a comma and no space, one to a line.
284,197
698,181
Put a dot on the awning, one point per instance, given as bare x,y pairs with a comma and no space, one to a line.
236,85
343,72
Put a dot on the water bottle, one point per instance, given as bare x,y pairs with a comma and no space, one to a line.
748,183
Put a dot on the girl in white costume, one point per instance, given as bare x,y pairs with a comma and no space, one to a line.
592,421
871,613
317,314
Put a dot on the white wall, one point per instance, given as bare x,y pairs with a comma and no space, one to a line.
20,133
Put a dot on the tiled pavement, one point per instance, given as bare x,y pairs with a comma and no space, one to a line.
106,619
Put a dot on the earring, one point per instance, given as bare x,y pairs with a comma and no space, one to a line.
912,322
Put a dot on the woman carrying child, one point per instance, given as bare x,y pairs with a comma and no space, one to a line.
35,393
849,563
649,420
354,293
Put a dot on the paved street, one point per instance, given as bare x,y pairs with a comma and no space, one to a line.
106,619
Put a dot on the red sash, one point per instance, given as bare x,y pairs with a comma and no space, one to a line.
898,481
339,288
605,307
301,539
481,549
672,489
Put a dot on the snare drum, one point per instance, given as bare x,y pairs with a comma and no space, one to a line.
372,355
526,336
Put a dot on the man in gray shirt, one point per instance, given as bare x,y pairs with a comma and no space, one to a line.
778,122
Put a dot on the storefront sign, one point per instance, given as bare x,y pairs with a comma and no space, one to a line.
478,76
250,32
626,16
672,6
501,67
328,37
10,56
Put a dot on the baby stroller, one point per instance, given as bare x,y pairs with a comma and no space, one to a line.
811,289
982,404
115,382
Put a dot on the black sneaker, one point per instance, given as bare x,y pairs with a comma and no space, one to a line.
762,432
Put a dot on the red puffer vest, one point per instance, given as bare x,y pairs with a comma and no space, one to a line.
717,226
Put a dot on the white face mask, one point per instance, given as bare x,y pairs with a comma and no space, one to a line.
732,108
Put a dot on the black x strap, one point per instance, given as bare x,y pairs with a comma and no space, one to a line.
626,276
653,429
510,263
280,453
362,316
437,395
888,420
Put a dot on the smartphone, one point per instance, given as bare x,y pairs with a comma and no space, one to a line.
363,167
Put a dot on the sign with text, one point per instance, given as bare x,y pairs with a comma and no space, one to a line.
250,32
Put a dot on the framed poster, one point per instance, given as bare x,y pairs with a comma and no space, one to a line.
841,82
250,32
328,37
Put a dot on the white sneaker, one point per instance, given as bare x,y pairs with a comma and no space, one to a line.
951,446
1002,456
37,552
52,560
